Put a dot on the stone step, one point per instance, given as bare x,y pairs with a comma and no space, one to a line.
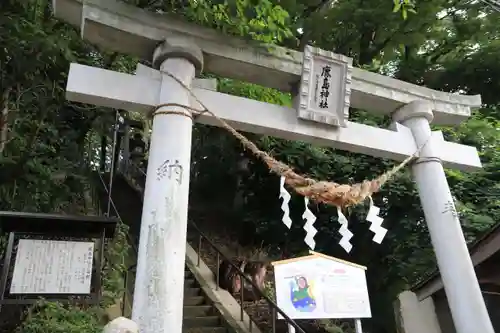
207,321
193,236
194,300
197,310
188,292
218,329
189,283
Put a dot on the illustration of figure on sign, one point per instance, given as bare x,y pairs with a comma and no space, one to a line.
302,294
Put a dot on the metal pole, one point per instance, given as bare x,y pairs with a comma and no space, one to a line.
455,265
112,171
126,148
357,326
102,157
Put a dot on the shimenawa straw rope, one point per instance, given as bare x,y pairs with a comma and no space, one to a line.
339,195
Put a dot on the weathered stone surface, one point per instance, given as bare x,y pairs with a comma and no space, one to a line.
174,47
121,325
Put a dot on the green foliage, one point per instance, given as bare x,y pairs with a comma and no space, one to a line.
269,290
253,91
117,252
56,318
262,20
44,142
405,7
330,326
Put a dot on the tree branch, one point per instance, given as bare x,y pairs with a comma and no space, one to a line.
386,41
4,125
306,35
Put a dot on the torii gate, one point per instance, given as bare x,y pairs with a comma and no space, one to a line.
184,50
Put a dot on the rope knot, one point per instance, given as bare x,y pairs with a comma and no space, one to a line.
187,112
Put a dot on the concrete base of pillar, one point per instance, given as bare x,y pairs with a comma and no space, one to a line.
414,316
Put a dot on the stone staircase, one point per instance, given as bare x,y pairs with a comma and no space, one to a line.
200,316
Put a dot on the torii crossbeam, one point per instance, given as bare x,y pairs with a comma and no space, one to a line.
128,92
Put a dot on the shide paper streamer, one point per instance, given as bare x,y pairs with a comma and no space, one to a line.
345,241
310,218
309,225
376,223
284,205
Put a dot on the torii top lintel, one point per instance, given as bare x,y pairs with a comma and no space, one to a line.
127,29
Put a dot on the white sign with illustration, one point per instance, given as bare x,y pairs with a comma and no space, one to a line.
321,287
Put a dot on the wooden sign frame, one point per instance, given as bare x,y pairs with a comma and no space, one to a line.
30,226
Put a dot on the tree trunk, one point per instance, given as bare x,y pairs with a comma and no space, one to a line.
4,124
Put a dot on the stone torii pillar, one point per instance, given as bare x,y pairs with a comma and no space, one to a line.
464,296
159,285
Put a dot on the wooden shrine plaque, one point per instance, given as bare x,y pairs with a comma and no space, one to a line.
325,87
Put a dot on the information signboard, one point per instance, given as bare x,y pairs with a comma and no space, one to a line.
52,267
321,287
